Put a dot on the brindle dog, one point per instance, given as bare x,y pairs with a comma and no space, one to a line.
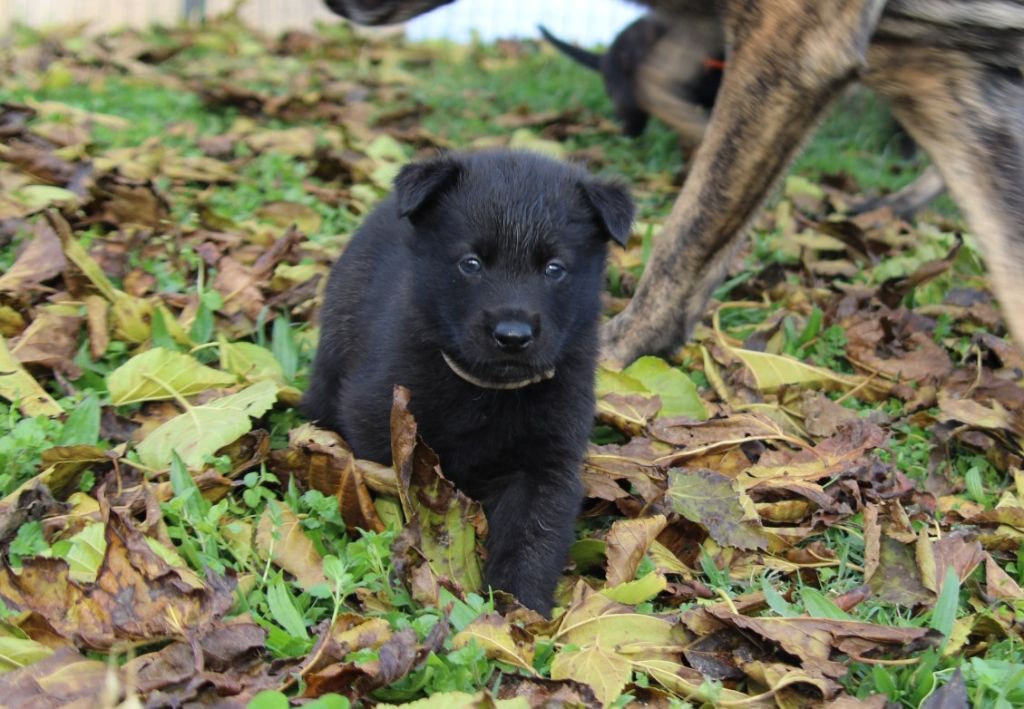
629,68
673,70
949,69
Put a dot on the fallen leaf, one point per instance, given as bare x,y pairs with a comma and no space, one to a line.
814,640
443,520
204,429
630,413
65,679
714,502
883,345
633,593
822,416
137,596
355,501
97,311
250,362
654,376
627,543
897,578
39,260
162,374
18,386
500,640
698,437
319,459
597,666
999,583
280,538
893,290
605,639
129,315
286,214
122,201
16,653
951,695
772,371
224,648
537,691
51,341
975,414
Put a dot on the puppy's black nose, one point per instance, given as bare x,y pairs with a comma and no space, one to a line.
513,335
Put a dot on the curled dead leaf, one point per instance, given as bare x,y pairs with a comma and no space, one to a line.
136,596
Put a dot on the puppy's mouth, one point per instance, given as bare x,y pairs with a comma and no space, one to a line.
503,376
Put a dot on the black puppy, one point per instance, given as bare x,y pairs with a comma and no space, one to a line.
477,285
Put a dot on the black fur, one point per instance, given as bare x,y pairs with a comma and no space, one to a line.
401,295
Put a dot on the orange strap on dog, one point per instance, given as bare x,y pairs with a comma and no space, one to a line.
710,63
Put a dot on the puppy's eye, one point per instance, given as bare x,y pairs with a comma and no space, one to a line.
555,270
470,265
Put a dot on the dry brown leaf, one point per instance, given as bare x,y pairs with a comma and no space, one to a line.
40,259
822,416
280,538
137,596
999,583
695,437
97,309
817,641
880,344
630,413
626,543
51,341
226,648
64,679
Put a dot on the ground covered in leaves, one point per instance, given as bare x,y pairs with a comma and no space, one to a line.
818,501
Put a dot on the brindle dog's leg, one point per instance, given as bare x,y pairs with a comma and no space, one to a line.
787,59
969,116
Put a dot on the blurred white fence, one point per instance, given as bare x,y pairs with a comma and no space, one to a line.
583,21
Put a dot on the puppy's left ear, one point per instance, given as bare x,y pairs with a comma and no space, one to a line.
612,206
419,184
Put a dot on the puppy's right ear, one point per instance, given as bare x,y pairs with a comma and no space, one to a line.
612,206
419,184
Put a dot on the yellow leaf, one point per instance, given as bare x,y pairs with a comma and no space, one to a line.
666,561
17,385
599,619
600,668
773,371
640,591
203,430
500,640
250,362
162,374
19,652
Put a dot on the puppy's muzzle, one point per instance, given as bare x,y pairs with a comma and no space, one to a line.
382,12
512,336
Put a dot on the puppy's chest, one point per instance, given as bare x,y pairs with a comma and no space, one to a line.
501,420
492,435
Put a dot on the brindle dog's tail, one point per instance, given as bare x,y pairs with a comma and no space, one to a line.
589,59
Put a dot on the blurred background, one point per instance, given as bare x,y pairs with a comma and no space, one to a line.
583,21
